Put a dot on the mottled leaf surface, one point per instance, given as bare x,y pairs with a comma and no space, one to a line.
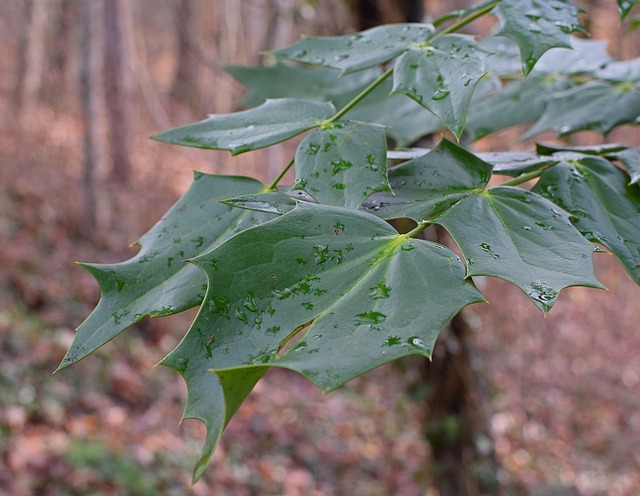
604,207
287,81
358,51
343,163
424,185
523,238
537,25
156,281
442,77
270,123
354,293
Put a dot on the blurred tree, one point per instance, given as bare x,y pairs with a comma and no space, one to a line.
31,66
184,88
91,100
118,83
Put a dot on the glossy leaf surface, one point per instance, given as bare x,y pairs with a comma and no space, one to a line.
343,163
537,25
424,185
270,123
367,294
442,77
357,51
631,160
286,81
156,281
596,106
605,208
522,238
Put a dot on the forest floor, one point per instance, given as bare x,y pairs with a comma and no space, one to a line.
565,388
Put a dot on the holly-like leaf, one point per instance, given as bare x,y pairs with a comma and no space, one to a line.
597,106
606,209
273,202
514,164
355,292
286,81
621,71
631,160
406,121
442,77
537,25
625,6
520,102
430,183
343,163
358,51
270,123
586,56
604,149
156,282
523,238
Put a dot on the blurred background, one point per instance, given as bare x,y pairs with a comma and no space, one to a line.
83,84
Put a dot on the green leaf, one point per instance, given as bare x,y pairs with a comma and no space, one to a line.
270,123
406,120
427,184
631,160
442,77
625,6
606,210
343,163
286,81
514,164
273,202
621,71
355,292
522,238
521,102
586,56
156,282
358,51
604,149
537,25
596,106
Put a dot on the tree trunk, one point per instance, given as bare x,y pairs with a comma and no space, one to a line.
458,409
119,85
32,58
90,93
183,88
458,423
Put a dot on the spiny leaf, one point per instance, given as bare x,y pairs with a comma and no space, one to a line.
406,120
286,81
597,106
270,123
520,102
358,51
516,163
631,160
522,238
605,209
625,6
343,163
604,149
156,282
355,292
537,25
442,77
429,183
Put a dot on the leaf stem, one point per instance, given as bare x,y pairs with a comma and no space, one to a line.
466,20
360,96
275,182
523,178
422,225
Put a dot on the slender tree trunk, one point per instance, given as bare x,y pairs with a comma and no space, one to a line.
183,88
31,69
60,77
119,85
458,408
90,93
